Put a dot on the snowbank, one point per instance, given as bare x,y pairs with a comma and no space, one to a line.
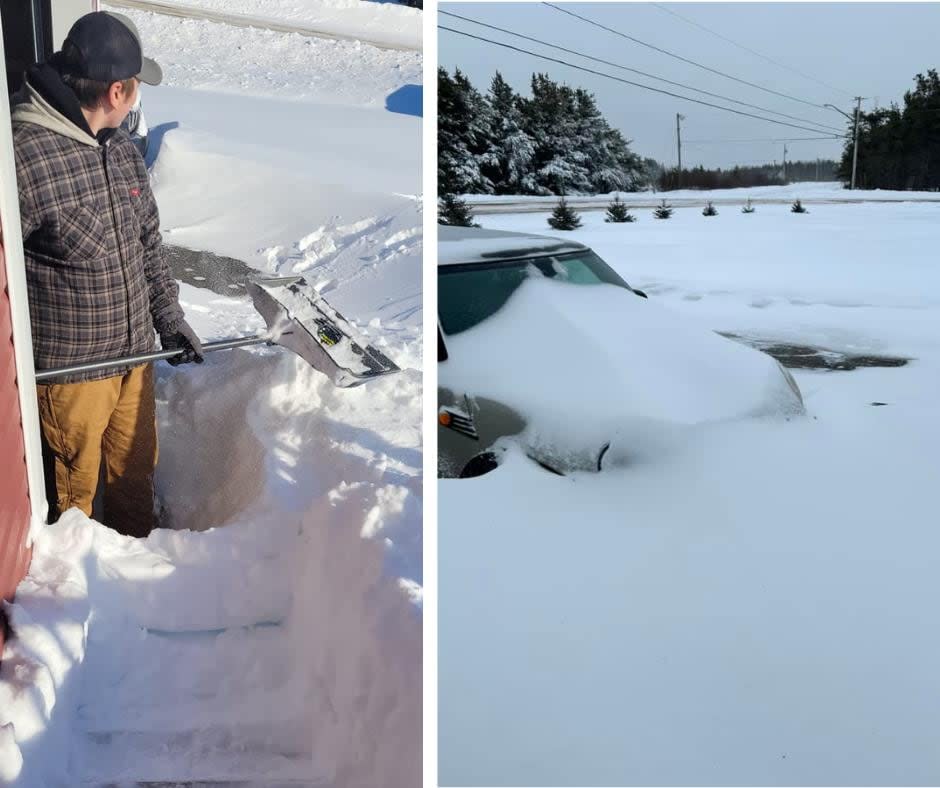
209,56
39,676
380,22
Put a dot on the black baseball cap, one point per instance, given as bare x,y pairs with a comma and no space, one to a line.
105,47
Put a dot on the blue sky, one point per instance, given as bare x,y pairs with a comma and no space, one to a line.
868,49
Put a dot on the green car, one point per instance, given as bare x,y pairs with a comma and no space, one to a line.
544,348
478,271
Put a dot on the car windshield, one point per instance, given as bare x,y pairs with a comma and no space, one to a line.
468,294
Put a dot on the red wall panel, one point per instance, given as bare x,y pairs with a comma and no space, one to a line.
14,488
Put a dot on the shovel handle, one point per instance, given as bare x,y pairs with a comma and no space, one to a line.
143,358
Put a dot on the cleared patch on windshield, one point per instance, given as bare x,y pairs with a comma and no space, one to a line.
469,294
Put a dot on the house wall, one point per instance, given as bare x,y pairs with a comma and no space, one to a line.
15,509
23,507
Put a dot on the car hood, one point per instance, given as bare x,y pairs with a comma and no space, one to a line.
587,365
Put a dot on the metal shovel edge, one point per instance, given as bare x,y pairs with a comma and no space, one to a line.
273,336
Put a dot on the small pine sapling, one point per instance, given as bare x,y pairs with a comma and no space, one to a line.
564,217
454,212
797,207
748,208
663,211
709,210
617,212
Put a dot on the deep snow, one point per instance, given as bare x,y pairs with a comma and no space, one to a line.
272,631
752,605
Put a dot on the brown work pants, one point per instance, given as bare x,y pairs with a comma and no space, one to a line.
111,420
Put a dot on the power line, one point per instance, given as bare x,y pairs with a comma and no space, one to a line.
748,49
634,70
679,57
625,81
774,139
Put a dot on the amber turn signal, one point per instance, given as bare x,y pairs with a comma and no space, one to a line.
443,418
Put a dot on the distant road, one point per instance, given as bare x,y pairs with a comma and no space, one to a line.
240,20
538,205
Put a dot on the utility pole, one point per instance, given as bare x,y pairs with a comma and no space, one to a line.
679,148
858,111
784,163
817,168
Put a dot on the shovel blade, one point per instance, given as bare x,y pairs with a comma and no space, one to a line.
299,319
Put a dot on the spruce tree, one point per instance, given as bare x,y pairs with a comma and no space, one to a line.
709,210
564,217
509,160
618,213
463,126
663,211
797,207
454,212
748,208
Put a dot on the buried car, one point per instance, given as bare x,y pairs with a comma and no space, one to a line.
543,345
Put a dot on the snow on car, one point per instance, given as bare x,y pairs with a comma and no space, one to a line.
545,345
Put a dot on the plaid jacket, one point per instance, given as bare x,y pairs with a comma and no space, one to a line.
97,276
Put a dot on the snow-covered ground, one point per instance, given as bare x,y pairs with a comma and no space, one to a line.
388,23
272,633
808,192
752,604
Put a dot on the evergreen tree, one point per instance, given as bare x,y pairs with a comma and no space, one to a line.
564,217
454,212
709,210
663,211
797,207
899,146
618,213
561,164
748,208
463,116
554,142
509,160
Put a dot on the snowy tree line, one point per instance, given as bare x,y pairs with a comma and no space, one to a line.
737,177
899,146
554,142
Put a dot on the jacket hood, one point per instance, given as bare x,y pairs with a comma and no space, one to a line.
45,100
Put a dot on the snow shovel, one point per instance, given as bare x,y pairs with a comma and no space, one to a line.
297,319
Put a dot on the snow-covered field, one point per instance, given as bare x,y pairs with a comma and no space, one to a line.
808,192
271,634
753,604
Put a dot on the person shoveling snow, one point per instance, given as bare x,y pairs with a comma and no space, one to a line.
98,281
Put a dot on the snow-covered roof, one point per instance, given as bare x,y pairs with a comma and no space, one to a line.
457,245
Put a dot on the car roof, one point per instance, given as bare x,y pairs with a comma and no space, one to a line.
461,245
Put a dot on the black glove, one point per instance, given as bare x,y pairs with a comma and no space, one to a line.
186,340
